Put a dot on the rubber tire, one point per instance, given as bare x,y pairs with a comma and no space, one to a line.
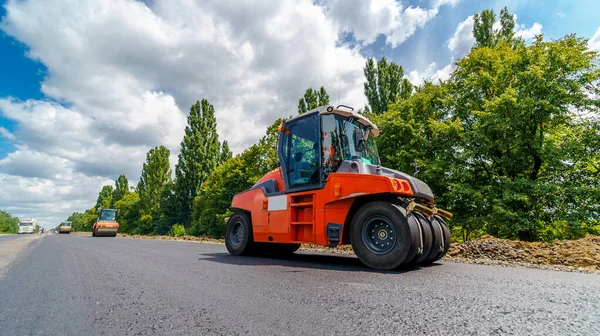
420,259
247,245
436,243
446,237
406,244
93,233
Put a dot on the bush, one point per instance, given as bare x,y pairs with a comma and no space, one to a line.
177,230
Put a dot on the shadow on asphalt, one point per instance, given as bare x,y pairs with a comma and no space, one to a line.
302,260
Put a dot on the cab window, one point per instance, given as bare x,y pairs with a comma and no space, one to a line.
301,152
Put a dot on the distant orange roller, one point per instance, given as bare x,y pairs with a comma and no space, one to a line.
106,224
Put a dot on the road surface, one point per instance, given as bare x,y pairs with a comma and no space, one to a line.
79,285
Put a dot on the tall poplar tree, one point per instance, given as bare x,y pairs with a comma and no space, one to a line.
312,99
154,180
226,154
385,84
105,197
198,157
121,189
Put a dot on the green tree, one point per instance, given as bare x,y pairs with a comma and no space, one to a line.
514,102
121,189
129,213
312,99
154,180
507,25
8,223
83,221
384,84
504,144
484,32
225,152
105,197
198,157
483,29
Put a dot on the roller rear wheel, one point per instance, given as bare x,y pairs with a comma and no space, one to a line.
437,242
239,238
445,236
426,236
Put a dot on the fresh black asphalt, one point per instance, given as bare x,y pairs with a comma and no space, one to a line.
79,285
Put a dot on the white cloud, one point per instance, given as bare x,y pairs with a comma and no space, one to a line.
124,76
452,3
528,34
48,200
25,162
462,40
6,134
369,19
594,42
432,73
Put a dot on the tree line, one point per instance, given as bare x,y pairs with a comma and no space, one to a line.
8,223
506,143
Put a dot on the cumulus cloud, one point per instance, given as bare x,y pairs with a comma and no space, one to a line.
432,73
366,20
462,40
594,42
528,34
6,134
48,200
29,163
121,76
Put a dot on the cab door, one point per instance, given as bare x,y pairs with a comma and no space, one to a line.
300,157
300,153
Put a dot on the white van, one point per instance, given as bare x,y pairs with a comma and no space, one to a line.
27,225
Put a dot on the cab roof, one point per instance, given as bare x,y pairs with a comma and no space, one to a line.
342,110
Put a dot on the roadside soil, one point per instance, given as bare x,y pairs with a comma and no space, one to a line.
582,255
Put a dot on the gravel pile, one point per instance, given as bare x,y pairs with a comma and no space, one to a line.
582,254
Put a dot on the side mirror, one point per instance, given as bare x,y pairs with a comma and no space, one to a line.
359,140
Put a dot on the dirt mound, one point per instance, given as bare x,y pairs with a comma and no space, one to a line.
582,253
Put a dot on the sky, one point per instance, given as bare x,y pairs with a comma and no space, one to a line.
88,87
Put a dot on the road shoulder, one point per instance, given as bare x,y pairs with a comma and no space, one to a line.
10,249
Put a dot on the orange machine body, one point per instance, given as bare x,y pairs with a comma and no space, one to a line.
302,217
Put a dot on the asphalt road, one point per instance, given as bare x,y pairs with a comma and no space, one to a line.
79,285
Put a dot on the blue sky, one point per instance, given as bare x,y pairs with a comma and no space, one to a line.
78,80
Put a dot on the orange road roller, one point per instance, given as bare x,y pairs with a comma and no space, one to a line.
106,224
330,189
